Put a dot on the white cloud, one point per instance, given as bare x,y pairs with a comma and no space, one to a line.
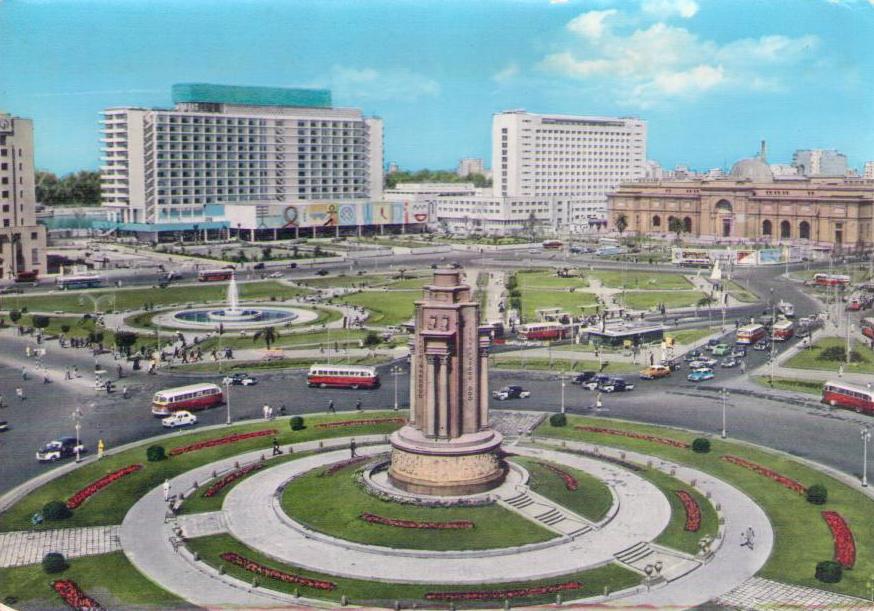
591,25
506,73
699,78
373,84
664,9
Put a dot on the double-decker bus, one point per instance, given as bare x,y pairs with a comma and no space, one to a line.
215,275
192,397
783,330
750,334
830,280
79,282
543,331
342,376
851,396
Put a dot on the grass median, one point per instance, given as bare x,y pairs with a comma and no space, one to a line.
548,279
272,364
387,308
574,303
648,300
646,281
587,496
557,364
829,354
807,387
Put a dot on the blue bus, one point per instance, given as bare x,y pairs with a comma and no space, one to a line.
79,282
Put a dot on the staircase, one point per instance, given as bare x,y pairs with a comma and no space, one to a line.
543,511
634,554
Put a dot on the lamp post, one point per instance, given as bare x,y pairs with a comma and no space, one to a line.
77,416
563,384
228,399
724,393
865,433
395,372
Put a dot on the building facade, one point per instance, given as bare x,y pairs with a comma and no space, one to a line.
495,215
574,160
22,240
820,162
868,171
225,144
470,165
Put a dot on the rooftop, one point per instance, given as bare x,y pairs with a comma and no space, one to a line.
250,96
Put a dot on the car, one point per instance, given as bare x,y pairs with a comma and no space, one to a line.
259,265
708,361
4,426
673,364
64,447
615,385
275,275
292,266
712,343
511,392
240,379
722,350
455,265
760,345
596,381
729,362
738,353
582,378
655,372
692,355
700,375
230,267
322,272
9,290
180,418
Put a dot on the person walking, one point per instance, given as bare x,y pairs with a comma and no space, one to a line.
352,448
166,487
331,409
358,405
743,367
266,411
124,392
19,392
598,403
276,449
100,448
2,402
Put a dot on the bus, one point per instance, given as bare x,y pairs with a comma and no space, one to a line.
851,396
552,244
79,282
192,397
868,327
28,276
750,334
783,330
215,275
830,280
543,331
334,375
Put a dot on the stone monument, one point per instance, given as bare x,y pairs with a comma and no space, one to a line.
447,449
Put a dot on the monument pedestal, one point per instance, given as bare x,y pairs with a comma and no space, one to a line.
467,464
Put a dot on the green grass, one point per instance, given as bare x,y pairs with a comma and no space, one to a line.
81,327
326,337
558,364
802,537
810,358
611,577
342,501
130,299
531,279
675,534
647,300
592,498
108,578
739,292
285,363
690,336
642,280
111,504
536,299
803,386
387,308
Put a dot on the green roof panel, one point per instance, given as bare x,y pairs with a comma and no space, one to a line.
250,96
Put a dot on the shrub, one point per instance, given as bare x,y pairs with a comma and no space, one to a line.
56,510
558,420
817,494
829,571
701,445
14,315
65,328
155,453
296,423
53,562
839,354
40,321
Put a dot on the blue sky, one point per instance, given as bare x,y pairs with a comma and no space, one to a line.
712,77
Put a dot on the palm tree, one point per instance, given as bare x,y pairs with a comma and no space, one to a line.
269,335
676,225
621,224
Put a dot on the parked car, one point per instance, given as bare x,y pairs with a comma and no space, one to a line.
762,344
616,385
582,378
722,350
700,375
596,381
64,447
240,379
738,353
655,372
511,392
180,418
729,362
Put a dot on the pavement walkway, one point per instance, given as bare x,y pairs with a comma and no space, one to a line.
18,548
763,594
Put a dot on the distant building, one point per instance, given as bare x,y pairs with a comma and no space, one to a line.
496,215
652,169
783,169
427,194
22,240
470,165
820,162
393,168
869,170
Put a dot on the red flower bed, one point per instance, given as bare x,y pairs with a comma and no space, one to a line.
845,545
73,596
693,511
260,569
570,482
632,435
81,496
230,478
343,464
220,441
769,473
502,594
457,524
342,423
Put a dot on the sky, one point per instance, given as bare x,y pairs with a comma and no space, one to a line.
711,77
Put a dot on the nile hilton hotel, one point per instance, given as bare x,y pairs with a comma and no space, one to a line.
751,205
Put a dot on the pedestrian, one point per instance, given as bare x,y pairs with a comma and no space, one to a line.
100,448
331,409
651,359
45,380
67,374
751,536
108,387
2,403
76,370
743,367
166,487
352,447
265,411
598,403
24,373
124,392
358,405
840,371
276,449
282,409
119,370
19,392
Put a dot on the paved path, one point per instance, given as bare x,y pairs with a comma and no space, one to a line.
758,593
18,548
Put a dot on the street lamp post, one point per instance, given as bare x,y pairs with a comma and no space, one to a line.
866,437
563,384
77,416
395,372
724,393
228,399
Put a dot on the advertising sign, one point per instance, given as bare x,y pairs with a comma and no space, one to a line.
745,257
770,256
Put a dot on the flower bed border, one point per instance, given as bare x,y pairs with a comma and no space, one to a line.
693,511
504,594
845,543
365,422
786,482
73,595
372,518
94,487
337,466
570,482
632,435
220,441
230,478
265,571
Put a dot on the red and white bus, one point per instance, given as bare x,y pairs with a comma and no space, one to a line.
852,396
215,275
868,327
191,398
342,376
552,244
783,330
831,280
543,331
750,334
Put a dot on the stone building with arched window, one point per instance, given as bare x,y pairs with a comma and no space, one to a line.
750,205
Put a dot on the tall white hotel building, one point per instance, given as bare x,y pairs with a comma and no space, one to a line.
226,144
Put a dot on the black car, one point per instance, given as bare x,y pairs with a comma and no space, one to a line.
258,266
615,385
61,448
582,378
322,272
292,266
692,355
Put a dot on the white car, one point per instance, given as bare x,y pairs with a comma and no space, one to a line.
180,418
275,275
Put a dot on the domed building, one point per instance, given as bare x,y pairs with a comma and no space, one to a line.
751,204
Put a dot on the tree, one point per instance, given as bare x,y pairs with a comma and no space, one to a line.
705,302
531,226
676,225
54,562
621,224
78,189
268,334
125,340
40,321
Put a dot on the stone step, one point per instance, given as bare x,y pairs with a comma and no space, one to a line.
521,501
580,531
549,514
635,553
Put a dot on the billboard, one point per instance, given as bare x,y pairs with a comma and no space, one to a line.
770,256
325,214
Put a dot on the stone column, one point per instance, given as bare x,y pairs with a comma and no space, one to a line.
443,396
414,374
483,387
430,425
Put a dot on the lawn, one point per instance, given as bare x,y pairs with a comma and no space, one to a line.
559,364
814,357
740,293
386,308
82,327
610,578
690,336
591,499
547,279
327,337
535,299
648,300
108,578
285,363
647,281
342,501
134,299
802,386
675,534
802,537
111,504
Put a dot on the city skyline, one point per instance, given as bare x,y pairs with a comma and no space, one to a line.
710,79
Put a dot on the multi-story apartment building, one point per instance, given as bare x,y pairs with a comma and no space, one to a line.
574,160
868,171
470,165
820,162
226,144
497,215
22,240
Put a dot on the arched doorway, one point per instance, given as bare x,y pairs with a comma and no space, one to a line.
656,221
687,225
804,230
767,228
724,209
785,230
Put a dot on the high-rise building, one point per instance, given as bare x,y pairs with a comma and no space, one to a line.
225,144
22,240
470,165
869,170
820,162
575,160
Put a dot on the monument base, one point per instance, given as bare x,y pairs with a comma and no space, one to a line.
468,464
